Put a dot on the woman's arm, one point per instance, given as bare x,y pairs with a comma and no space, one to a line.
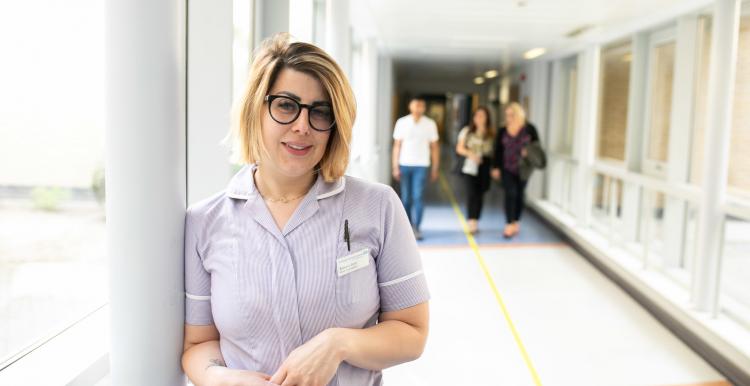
204,365
399,337
200,352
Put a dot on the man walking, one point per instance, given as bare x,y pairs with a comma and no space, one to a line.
415,148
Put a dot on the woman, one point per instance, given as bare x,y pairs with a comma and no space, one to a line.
296,274
475,143
511,146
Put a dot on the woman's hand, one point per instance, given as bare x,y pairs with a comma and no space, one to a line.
312,364
222,376
495,173
476,158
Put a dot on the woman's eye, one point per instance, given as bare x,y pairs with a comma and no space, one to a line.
286,106
322,113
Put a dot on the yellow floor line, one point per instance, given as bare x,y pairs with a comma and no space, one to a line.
475,248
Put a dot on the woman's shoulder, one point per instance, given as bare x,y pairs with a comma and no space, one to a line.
206,206
364,189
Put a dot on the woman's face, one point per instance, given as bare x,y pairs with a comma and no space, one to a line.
294,149
511,119
480,118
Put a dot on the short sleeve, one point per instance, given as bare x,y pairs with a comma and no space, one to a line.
462,134
398,131
401,280
197,279
433,132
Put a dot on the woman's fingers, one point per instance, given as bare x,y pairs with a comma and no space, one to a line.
279,377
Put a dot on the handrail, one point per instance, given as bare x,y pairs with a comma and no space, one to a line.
562,157
687,192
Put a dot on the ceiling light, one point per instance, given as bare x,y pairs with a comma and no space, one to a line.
534,53
489,74
478,80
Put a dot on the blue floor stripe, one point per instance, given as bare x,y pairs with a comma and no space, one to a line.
441,227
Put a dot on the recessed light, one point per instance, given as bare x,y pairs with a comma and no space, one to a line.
489,74
478,80
534,53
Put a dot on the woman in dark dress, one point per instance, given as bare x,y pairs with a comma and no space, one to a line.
511,146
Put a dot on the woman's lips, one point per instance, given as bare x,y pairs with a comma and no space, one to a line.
298,149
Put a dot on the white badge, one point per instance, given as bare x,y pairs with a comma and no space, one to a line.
350,263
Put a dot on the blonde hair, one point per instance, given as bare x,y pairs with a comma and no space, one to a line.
276,53
518,111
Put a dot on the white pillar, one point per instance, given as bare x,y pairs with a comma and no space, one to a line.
716,154
584,145
301,17
681,118
384,120
145,174
210,36
631,193
338,33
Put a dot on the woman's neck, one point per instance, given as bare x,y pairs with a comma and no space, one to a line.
275,185
514,129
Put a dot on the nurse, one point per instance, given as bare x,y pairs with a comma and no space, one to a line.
296,274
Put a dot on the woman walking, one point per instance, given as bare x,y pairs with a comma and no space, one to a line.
511,163
475,143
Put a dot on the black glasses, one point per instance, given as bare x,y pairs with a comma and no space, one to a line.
286,110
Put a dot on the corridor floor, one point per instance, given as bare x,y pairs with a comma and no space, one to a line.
532,311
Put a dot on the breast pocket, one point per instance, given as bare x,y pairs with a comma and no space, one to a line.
357,296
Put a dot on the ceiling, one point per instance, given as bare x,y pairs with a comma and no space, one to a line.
429,38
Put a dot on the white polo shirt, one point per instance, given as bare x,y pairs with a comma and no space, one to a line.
415,140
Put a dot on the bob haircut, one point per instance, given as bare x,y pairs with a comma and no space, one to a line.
275,54
518,111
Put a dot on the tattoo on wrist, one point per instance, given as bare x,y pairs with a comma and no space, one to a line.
216,362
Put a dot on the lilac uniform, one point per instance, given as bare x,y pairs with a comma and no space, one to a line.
268,291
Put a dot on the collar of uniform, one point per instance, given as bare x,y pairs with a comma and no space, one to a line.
242,185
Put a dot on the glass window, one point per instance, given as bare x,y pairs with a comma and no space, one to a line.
660,98
607,209
570,83
613,100
739,157
735,288
703,54
53,267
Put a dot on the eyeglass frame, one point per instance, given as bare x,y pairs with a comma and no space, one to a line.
271,97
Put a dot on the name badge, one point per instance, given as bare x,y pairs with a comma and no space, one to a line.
350,263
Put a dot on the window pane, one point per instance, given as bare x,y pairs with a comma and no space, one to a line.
52,228
570,74
703,47
739,157
613,105
736,261
662,74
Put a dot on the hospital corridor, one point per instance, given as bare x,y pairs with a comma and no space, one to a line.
375,192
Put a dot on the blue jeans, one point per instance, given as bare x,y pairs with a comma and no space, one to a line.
413,179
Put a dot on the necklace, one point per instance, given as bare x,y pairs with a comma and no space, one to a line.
283,200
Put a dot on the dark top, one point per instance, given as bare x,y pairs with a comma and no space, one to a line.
508,149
